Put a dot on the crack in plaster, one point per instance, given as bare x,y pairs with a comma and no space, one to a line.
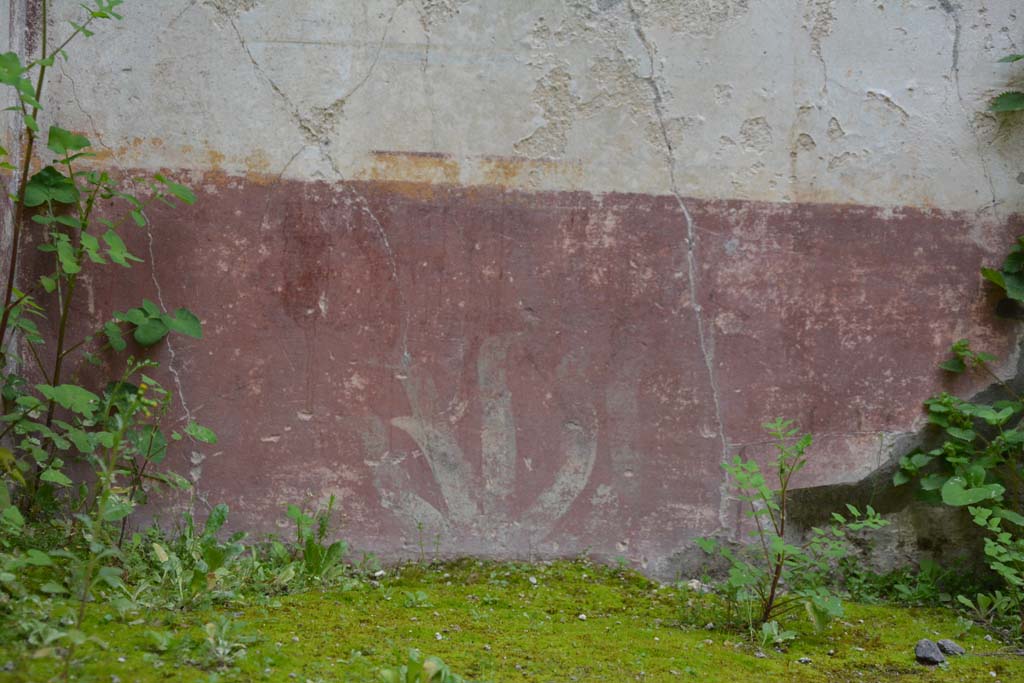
820,15
317,132
691,242
952,10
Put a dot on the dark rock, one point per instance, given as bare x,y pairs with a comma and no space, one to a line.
927,652
950,648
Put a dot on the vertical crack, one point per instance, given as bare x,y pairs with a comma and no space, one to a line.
952,10
706,344
172,362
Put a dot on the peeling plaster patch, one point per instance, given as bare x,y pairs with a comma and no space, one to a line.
232,7
835,129
756,135
819,19
840,160
438,11
696,17
886,101
805,142
723,93
553,94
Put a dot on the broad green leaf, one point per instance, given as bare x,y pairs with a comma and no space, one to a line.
37,558
1011,516
150,332
200,433
49,283
55,477
63,141
953,365
117,251
1011,58
955,492
962,434
72,397
1014,286
151,309
12,517
179,191
91,247
11,70
53,588
50,185
1008,101
184,322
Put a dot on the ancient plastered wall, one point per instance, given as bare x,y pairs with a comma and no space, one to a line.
522,273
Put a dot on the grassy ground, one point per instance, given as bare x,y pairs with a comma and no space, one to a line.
506,622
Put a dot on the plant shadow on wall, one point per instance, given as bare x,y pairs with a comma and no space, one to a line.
485,513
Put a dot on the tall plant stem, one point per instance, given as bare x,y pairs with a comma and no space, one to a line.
19,208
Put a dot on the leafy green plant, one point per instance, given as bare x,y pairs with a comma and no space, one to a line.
772,576
416,599
224,643
62,203
196,564
1011,100
979,467
418,669
320,560
774,635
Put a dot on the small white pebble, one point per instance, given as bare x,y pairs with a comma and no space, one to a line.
295,639
438,636
121,659
533,580
583,617
487,648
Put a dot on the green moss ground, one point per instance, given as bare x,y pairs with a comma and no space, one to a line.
495,624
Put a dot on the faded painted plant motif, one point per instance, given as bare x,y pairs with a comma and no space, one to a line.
481,505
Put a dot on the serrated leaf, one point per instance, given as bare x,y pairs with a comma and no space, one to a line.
62,141
71,397
1008,102
114,338
50,185
67,257
117,251
180,191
